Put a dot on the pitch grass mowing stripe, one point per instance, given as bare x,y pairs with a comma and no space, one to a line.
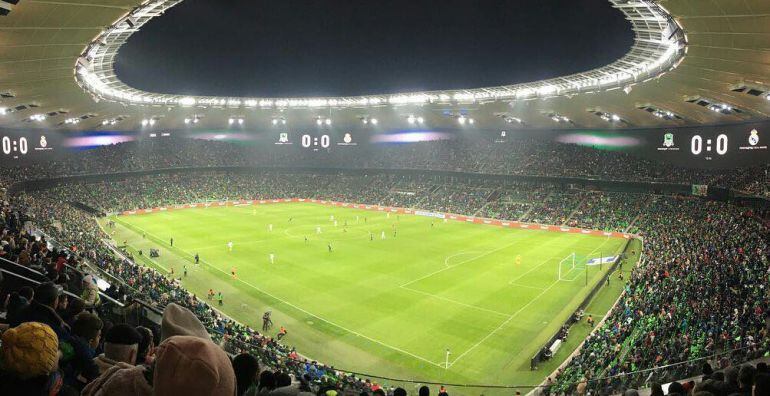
520,310
159,240
420,321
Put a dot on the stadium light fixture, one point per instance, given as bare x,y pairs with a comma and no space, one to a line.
4,110
328,121
374,121
319,122
462,120
37,117
647,59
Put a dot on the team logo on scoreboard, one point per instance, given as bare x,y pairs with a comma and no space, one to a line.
754,137
283,139
668,140
347,140
668,143
754,142
43,144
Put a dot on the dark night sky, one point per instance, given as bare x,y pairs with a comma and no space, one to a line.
354,47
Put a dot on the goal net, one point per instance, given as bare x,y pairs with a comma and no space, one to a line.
571,267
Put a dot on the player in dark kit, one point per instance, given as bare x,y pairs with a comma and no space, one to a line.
330,247
172,242
197,258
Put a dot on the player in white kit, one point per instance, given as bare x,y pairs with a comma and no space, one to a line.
230,246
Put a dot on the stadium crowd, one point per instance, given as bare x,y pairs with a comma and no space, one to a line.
517,156
689,298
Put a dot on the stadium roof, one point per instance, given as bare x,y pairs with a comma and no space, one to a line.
693,62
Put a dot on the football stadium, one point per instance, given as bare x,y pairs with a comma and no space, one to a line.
247,197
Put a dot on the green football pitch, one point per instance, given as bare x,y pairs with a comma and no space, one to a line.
391,305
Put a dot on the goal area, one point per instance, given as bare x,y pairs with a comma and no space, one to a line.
570,267
574,265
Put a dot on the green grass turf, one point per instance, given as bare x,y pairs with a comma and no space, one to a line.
388,307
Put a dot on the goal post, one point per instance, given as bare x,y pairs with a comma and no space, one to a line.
567,265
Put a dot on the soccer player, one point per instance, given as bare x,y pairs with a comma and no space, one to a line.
281,333
232,272
330,247
197,259
270,227
382,235
272,258
172,242
221,299
590,320
211,294
371,236
230,246
317,229
306,241
335,223
185,270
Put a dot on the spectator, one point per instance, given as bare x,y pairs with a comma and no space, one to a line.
761,385
80,368
43,310
29,355
121,344
267,383
246,370
146,351
188,365
178,320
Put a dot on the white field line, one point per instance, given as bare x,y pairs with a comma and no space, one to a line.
462,253
530,270
309,313
462,262
504,323
455,301
526,286
515,314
